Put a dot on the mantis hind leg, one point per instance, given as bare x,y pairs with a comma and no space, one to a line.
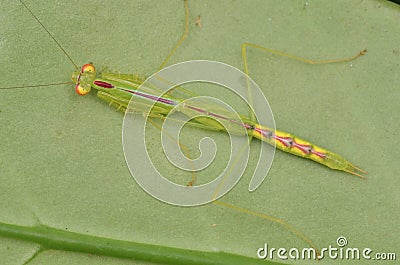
247,45
294,57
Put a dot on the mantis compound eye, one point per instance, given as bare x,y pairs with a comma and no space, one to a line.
82,89
88,68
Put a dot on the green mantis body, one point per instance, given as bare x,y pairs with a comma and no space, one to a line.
120,89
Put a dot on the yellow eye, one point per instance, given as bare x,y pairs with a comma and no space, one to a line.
88,68
81,90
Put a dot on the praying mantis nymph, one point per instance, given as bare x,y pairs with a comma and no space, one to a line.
119,89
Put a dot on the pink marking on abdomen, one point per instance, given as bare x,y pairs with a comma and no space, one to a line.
264,133
306,149
284,140
321,155
103,84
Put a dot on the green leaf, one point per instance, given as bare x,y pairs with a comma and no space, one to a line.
62,170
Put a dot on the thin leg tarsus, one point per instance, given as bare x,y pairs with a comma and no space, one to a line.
295,57
183,37
272,219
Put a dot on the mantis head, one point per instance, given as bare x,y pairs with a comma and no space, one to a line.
84,79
